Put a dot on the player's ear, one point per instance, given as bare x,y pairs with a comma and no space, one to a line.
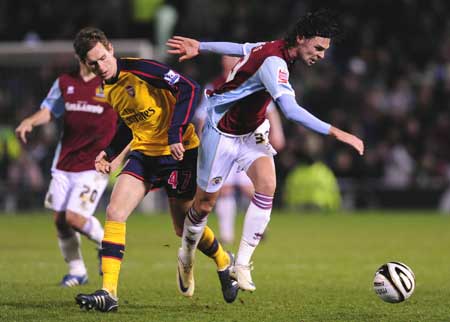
110,48
300,39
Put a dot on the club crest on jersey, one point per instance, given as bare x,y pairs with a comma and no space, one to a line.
171,77
283,76
99,92
130,90
70,89
216,180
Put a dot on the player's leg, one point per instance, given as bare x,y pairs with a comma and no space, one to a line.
209,246
88,187
214,164
226,208
69,244
127,193
257,158
256,218
68,239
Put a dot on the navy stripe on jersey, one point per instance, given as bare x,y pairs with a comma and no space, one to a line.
187,91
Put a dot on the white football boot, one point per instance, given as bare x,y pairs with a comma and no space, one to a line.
242,275
185,277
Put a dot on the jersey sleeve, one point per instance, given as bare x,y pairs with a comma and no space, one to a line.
186,91
228,48
274,75
54,100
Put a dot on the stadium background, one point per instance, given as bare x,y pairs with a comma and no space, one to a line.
387,80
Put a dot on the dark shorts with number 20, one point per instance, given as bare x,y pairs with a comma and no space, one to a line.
177,177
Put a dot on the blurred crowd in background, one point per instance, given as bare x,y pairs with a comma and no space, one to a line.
386,80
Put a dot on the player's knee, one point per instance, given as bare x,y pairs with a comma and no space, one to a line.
75,220
114,213
62,227
204,207
266,186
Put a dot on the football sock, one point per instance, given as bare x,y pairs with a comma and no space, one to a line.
113,248
255,222
93,230
71,251
210,246
193,229
226,213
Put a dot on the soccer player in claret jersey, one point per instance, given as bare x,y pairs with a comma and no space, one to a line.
237,180
75,189
155,105
236,129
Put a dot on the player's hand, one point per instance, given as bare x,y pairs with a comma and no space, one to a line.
348,138
186,48
24,127
101,164
177,151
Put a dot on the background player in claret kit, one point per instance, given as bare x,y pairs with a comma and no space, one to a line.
89,124
237,181
155,105
236,129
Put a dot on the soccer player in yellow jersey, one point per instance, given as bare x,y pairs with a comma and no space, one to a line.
155,105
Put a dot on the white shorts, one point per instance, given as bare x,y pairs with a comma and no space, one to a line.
219,152
237,178
79,192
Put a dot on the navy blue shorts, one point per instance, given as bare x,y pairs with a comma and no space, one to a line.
177,177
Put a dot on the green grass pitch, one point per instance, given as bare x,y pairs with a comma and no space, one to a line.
311,267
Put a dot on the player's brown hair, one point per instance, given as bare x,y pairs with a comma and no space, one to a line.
320,23
86,39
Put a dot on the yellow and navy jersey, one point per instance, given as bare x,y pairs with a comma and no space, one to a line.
155,103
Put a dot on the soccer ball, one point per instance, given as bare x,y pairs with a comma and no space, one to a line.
394,282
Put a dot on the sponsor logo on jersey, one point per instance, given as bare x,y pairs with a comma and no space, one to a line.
171,77
283,76
70,89
141,116
84,107
216,180
130,90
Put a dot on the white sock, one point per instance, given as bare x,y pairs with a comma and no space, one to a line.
255,223
193,229
226,214
93,230
71,251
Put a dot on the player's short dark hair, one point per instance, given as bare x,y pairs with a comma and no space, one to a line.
320,23
86,39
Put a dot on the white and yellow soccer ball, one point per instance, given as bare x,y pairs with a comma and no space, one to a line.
394,282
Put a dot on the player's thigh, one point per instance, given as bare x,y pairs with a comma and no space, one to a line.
58,191
216,157
88,187
262,174
126,195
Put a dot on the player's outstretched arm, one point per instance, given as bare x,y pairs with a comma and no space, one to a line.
348,138
186,48
298,114
40,117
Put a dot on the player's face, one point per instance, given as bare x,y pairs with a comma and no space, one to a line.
101,61
310,50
